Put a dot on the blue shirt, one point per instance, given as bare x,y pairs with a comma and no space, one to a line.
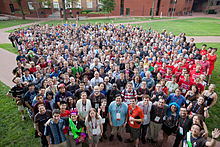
122,109
150,82
55,131
180,100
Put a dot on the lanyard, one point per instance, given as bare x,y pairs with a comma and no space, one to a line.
84,107
119,109
195,107
144,91
161,112
176,100
186,85
183,123
147,108
45,116
95,124
103,113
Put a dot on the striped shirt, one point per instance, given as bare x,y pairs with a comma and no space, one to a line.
55,131
126,95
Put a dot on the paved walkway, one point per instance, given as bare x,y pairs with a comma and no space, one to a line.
7,64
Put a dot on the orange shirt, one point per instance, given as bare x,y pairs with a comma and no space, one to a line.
134,113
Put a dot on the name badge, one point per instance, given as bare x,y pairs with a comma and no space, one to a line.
118,116
157,119
185,144
145,117
184,90
103,120
170,89
96,106
94,131
131,121
187,101
181,130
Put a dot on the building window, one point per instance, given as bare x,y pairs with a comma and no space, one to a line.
89,3
173,1
30,6
78,4
68,4
45,4
217,2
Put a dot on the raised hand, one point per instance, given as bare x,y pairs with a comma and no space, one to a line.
215,133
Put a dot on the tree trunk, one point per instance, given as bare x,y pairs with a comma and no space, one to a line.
64,10
22,12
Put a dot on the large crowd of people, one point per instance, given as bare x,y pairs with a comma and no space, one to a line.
89,83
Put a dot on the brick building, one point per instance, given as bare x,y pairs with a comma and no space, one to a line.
32,8
144,7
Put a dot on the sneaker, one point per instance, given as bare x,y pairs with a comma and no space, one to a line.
149,140
128,141
119,138
101,139
111,137
104,136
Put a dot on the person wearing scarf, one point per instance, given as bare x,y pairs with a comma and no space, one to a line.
76,134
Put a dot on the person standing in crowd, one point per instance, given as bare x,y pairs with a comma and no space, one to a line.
83,106
62,94
40,119
194,138
29,97
212,57
142,90
54,130
17,93
128,93
118,115
135,118
183,126
157,94
210,96
145,106
93,123
177,98
96,97
157,114
103,112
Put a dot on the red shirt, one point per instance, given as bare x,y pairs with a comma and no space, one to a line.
186,65
185,86
177,71
32,70
162,71
159,63
65,114
168,77
170,66
193,74
165,90
203,52
43,65
134,113
200,87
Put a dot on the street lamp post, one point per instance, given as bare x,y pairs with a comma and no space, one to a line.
152,11
174,7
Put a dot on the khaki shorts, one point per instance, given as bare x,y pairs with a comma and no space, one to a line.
94,139
20,108
117,129
63,144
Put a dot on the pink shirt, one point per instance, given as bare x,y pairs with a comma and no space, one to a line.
205,65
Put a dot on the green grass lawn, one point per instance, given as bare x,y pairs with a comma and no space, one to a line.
9,47
10,23
192,27
14,132
104,20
